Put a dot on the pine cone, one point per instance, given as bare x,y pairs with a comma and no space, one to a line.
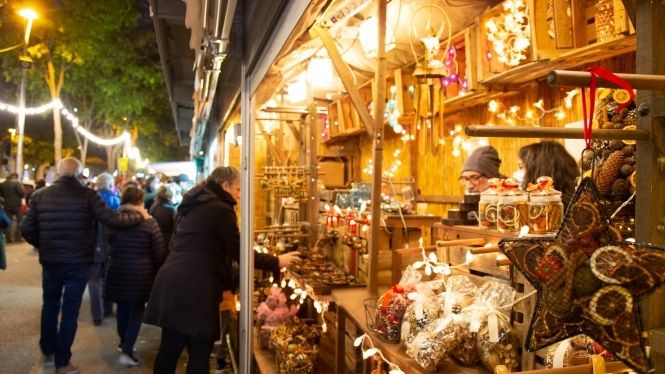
609,171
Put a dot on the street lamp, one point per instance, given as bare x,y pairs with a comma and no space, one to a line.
25,61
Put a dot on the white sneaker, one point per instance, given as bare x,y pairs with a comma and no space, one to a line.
127,360
49,361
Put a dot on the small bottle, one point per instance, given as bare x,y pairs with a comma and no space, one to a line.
512,207
487,205
545,207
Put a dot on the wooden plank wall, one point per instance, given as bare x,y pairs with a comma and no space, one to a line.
436,175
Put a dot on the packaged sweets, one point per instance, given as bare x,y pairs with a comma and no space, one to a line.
424,308
501,352
545,207
393,304
390,311
464,350
574,351
512,207
459,293
487,205
431,345
486,321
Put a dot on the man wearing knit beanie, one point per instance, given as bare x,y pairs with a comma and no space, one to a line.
480,166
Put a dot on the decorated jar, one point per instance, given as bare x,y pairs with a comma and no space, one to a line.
487,205
545,207
512,207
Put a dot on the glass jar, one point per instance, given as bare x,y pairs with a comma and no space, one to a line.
487,207
360,193
545,211
604,20
512,209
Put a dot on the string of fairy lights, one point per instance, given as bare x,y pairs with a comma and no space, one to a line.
124,138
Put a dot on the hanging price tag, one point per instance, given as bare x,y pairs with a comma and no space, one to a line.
419,310
442,325
493,327
449,300
474,325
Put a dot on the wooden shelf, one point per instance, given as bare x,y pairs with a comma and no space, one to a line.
265,360
344,136
575,57
350,300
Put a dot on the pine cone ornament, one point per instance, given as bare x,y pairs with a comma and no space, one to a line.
609,171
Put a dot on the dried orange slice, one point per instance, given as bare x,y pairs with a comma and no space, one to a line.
652,260
633,179
638,277
586,218
604,93
626,331
604,261
629,127
609,303
621,96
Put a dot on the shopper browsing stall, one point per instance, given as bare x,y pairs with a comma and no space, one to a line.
185,297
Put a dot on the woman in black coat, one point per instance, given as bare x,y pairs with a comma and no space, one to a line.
163,211
185,297
136,253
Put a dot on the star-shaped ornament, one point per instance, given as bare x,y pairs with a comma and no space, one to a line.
589,281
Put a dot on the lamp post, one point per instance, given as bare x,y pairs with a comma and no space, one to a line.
25,61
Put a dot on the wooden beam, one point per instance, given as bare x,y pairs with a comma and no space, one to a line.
553,132
568,78
439,199
346,76
279,156
650,199
312,191
377,153
294,129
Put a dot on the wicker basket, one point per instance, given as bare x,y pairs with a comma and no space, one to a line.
385,321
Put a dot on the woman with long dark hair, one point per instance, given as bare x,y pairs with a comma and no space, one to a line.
550,159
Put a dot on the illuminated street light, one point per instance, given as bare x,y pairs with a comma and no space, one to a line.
25,60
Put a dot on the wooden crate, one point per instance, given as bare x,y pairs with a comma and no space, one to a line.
487,61
584,13
560,26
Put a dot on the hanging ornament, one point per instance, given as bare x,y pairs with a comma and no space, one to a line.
589,281
428,80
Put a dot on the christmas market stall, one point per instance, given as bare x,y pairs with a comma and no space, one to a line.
357,131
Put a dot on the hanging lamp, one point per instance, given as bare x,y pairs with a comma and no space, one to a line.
428,76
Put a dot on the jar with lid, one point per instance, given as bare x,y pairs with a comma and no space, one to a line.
487,205
512,207
545,207
360,192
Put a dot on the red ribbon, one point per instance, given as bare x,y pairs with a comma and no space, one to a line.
387,297
598,72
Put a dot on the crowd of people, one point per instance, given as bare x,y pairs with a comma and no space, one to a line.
148,247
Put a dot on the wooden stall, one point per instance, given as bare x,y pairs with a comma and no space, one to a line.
390,130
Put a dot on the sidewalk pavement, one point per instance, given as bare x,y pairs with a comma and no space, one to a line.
94,349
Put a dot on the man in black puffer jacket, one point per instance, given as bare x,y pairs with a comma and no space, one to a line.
60,223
